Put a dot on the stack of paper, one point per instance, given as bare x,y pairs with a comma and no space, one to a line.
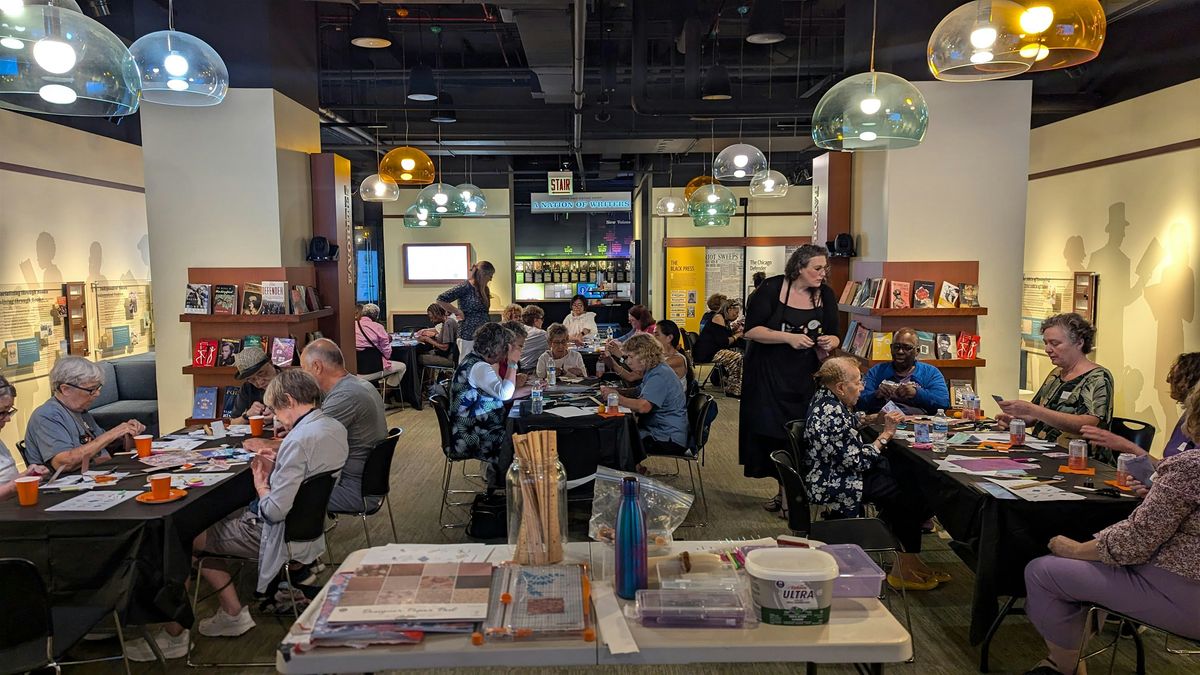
1036,491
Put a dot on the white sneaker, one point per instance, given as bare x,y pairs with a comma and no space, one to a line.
171,646
224,625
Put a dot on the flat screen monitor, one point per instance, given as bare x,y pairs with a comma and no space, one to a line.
436,263
590,291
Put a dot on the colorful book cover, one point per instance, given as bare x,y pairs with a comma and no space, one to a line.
226,349
252,298
922,297
229,400
969,297
880,289
198,299
274,297
205,355
225,299
254,341
848,292
948,298
968,346
973,347
899,296
849,339
299,304
862,341
863,290
926,345
881,346
946,349
282,351
958,392
204,405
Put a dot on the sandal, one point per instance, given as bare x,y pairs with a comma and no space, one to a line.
1044,667
775,504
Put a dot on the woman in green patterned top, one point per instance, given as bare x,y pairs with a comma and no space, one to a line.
1078,392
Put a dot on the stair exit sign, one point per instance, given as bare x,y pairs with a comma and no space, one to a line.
560,182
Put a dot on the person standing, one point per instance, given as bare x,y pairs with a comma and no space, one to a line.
791,323
474,300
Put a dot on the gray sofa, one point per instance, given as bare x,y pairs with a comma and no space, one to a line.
130,392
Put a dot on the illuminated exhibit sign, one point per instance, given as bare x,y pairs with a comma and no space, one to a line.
581,202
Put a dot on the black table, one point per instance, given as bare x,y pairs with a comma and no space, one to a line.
134,557
410,384
998,537
588,441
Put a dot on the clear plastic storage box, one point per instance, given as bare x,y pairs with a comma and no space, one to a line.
858,575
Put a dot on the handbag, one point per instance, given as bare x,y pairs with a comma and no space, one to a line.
489,517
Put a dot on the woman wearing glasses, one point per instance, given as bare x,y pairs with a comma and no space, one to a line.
61,432
8,467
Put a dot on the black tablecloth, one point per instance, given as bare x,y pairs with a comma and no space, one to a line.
410,384
586,442
134,557
998,537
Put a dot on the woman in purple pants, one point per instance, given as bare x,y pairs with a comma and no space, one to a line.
1146,566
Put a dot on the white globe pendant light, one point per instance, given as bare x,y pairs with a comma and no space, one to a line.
179,69
376,188
670,206
441,199
739,162
417,217
769,184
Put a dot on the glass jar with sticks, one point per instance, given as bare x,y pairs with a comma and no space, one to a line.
537,500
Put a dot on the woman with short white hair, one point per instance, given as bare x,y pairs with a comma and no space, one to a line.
369,334
61,433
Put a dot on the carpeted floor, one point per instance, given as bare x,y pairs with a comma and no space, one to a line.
940,617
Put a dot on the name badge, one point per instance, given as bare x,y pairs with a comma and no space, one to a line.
1065,395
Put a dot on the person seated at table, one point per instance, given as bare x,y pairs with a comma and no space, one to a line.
518,330
660,401
715,301
1077,393
719,343
918,388
511,313
843,471
61,433
756,280
1144,566
369,334
440,338
1183,376
640,321
580,323
537,340
254,368
566,361
668,335
8,466
477,397
315,443
358,407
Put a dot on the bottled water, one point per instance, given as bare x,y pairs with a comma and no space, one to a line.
535,401
552,375
941,428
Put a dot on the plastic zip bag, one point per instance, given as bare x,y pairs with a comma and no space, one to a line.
664,507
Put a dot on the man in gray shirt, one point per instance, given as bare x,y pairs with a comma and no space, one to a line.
359,408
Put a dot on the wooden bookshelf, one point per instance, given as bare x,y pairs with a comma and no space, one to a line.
256,318
943,363
910,312
221,371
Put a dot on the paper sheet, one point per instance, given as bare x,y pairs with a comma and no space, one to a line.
97,500
1034,491
394,554
183,481
570,411
176,445
614,629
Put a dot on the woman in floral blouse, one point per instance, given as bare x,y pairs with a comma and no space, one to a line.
478,394
844,471
1146,566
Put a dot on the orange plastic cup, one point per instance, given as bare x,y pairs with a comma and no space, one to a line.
160,486
27,490
256,425
142,443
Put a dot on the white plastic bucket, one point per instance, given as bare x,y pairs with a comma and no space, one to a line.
792,586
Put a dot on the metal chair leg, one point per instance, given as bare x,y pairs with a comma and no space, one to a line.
904,601
703,497
991,633
387,503
121,640
366,530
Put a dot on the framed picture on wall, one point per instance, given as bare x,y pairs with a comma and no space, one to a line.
436,263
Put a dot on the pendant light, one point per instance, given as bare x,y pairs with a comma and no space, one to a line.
444,113
670,206
178,68
421,86
474,203
407,166
419,217
441,199
1073,34
769,183
369,29
715,86
766,22
870,111
711,221
981,40
55,60
739,162
377,188
711,200
697,183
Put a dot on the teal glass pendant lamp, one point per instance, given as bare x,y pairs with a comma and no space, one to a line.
870,111
474,204
179,69
768,184
739,162
712,205
55,60
419,217
441,199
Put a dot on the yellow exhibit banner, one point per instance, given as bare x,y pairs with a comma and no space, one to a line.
685,286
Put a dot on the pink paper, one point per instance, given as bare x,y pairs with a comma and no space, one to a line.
990,464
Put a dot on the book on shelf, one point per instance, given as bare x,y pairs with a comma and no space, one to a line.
959,390
862,341
198,299
946,348
880,290
229,401
205,355
226,349
299,300
313,336
948,298
225,299
881,345
850,332
968,345
862,294
922,295
926,348
252,298
314,299
849,291
257,341
898,297
283,350
204,405
969,295
274,297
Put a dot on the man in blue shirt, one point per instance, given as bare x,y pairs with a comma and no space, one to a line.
917,388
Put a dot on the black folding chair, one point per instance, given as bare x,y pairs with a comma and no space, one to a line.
1133,624
1137,432
441,407
376,483
33,633
305,522
700,416
370,367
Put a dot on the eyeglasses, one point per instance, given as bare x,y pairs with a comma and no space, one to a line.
7,414
902,347
558,342
91,392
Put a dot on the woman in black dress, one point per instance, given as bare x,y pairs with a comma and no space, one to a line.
791,324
